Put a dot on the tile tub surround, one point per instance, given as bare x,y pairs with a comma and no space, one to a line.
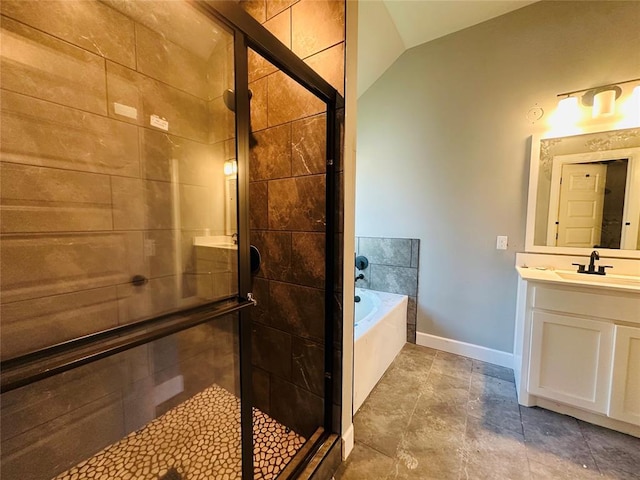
287,222
89,196
435,415
393,267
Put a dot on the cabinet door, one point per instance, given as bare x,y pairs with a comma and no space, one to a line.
625,384
570,360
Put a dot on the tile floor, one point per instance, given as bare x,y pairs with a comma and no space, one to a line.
196,440
440,416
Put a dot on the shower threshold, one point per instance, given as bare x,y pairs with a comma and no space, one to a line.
196,440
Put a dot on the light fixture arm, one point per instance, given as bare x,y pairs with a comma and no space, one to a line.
609,86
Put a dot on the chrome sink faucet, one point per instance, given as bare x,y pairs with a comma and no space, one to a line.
591,270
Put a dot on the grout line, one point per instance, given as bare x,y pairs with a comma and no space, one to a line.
524,439
463,446
586,441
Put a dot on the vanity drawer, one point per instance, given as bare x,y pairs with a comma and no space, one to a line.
607,305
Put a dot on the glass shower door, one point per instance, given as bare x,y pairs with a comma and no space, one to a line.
118,207
287,192
115,196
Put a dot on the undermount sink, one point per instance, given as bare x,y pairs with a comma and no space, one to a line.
601,279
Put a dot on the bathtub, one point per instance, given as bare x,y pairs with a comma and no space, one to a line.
380,332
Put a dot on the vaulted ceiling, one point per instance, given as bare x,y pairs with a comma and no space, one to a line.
386,28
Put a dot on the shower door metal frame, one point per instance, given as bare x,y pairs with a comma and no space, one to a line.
249,33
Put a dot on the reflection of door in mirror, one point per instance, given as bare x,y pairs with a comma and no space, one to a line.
591,203
581,205
605,216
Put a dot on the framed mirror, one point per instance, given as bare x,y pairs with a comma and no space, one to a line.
584,194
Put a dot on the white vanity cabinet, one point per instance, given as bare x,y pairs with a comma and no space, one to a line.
571,360
625,385
578,350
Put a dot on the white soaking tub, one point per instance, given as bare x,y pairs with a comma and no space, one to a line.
380,333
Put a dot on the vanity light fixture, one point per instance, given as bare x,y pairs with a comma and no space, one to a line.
568,110
230,167
602,99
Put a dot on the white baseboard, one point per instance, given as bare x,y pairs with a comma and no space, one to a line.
347,442
489,355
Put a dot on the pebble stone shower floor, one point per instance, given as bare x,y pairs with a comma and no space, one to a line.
197,440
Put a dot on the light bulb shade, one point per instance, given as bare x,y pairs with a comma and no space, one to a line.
568,111
604,104
230,167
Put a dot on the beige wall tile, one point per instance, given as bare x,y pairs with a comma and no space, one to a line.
329,64
38,199
62,443
287,100
141,204
95,27
280,26
276,6
159,58
197,163
221,121
220,68
259,119
42,402
128,198
42,66
159,295
160,252
34,267
309,145
297,203
37,323
258,66
195,207
316,25
256,8
138,403
41,133
178,22
187,115
271,156
258,199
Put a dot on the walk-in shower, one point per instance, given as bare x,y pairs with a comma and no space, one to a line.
136,341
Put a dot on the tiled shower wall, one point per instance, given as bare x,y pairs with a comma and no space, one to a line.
51,425
393,267
90,196
287,202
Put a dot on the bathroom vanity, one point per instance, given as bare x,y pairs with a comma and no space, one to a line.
577,342
577,335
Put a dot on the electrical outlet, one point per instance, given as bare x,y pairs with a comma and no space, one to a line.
501,243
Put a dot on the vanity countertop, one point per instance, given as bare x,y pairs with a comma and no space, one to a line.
628,283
